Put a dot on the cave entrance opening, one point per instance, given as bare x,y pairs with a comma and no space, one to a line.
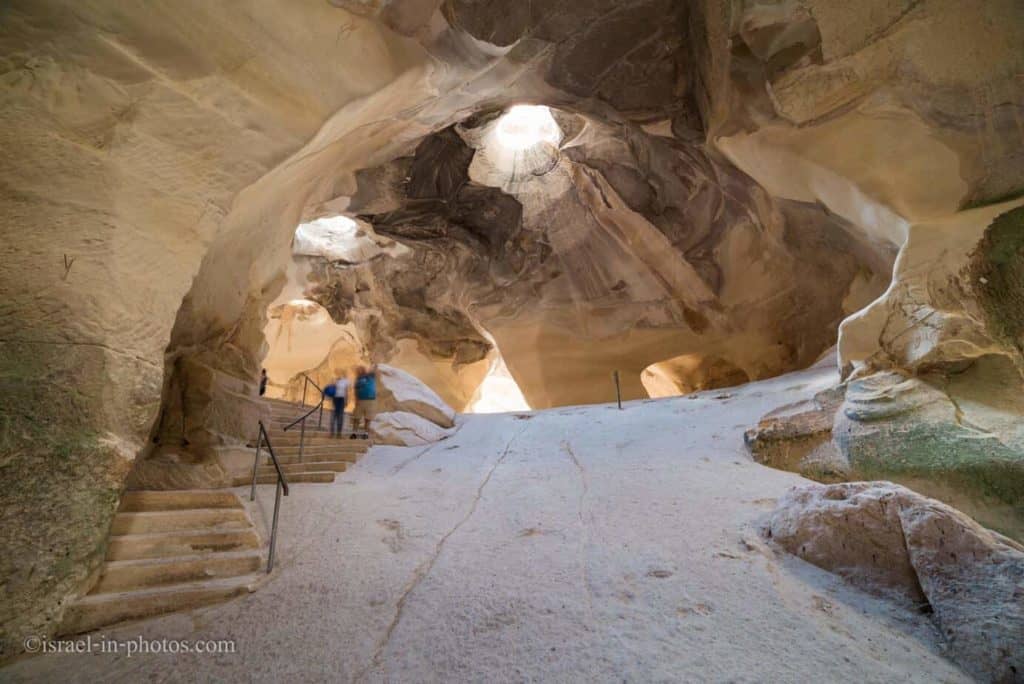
525,126
334,313
690,373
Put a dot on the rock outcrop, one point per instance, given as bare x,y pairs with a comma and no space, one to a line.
956,439
934,396
401,428
400,391
798,437
886,538
410,413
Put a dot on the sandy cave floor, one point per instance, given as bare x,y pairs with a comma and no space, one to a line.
574,544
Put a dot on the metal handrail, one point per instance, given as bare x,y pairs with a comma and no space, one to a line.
306,383
302,419
282,487
309,381
302,431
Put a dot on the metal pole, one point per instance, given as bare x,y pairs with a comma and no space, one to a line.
302,438
256,465
305,384
618,391
273,529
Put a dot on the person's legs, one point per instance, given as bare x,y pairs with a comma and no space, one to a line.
340,410
369,411
357,415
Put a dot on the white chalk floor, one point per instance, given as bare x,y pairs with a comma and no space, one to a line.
570,545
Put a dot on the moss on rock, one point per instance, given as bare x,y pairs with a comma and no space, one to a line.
61,482
996,272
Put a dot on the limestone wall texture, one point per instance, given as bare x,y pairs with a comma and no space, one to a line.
127,131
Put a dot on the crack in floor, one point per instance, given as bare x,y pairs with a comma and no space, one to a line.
415,457
426,566
584,528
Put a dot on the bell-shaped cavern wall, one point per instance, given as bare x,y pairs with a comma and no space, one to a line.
723,185
610,249
127,133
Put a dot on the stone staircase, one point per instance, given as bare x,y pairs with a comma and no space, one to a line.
180,549
323,456
168,551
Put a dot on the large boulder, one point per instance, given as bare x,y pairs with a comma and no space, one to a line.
402,392
884,537
400,428
411,413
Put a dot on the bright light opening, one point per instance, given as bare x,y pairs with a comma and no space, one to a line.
498,393
303,307
325,236
525,126
342,238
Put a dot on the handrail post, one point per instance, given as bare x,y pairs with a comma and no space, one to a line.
282,488
305,384
302,438
273,529
618,392
256,464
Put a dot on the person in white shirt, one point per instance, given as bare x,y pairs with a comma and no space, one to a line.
340,394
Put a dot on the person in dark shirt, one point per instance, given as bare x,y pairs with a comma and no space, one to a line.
263,382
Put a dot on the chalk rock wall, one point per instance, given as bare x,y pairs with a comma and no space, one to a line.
592,262
128,131
888,117
933,398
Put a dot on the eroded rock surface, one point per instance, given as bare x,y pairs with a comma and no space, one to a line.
620,251
934,396
798,437
410,413
884,537
957,439
127,133
400,391
401,428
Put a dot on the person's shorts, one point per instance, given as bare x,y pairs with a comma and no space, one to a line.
365,409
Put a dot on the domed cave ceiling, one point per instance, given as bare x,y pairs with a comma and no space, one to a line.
614,250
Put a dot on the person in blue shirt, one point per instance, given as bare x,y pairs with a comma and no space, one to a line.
329,392
366,400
